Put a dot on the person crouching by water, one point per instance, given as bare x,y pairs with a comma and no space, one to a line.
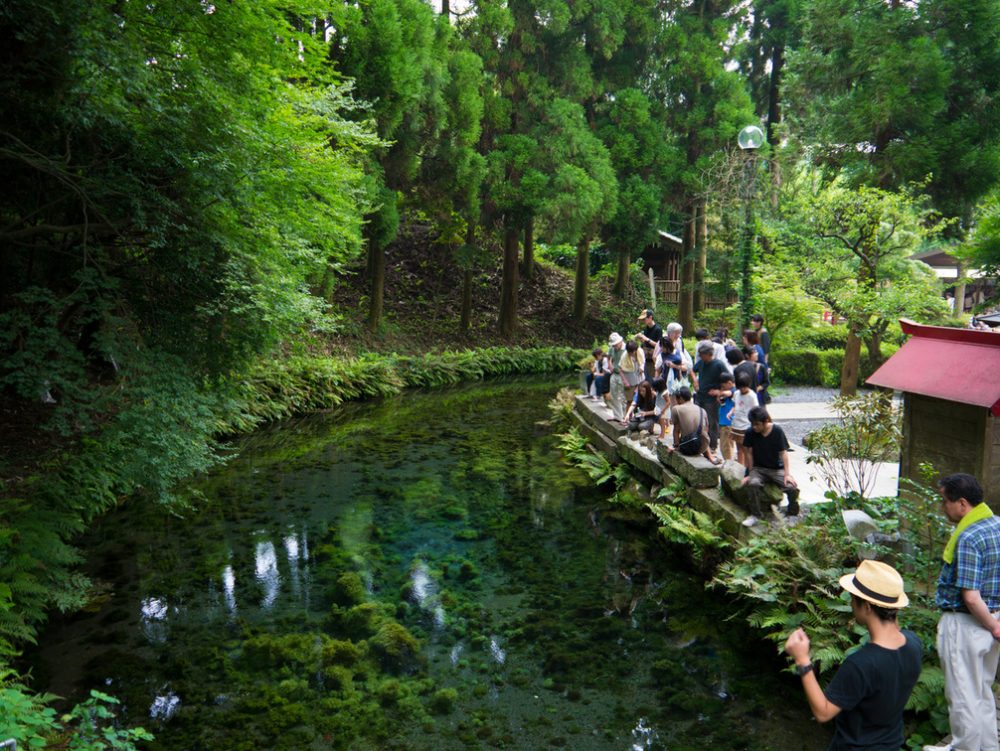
690,427
644,412
867,695
767,462
598,379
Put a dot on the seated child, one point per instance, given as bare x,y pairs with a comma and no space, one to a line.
599,377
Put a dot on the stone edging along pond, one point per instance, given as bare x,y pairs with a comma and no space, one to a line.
713,490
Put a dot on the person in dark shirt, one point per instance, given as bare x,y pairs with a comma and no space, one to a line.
764,337
767,457
707,377
650,337
867,695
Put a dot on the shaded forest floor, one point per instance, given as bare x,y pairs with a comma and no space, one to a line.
423,302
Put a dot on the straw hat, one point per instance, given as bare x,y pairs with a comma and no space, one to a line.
615,339
878,583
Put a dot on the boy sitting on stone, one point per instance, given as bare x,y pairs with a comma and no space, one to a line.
767,462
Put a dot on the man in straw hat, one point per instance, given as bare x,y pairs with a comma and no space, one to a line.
968,594
869,691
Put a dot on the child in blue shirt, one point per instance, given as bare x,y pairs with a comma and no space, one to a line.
726,388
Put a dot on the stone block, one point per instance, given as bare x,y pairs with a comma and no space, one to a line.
597,439
697,471
732,486
640,456
713,502
598,416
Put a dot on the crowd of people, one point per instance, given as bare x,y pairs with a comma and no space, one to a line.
712,403
717,399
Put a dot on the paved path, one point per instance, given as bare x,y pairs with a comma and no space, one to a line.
810,482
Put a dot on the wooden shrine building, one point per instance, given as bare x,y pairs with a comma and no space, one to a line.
950,379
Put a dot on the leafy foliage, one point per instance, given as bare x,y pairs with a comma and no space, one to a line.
89,726
847,452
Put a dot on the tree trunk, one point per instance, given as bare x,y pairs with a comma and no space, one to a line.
582,279
466,315
701,250
529,249
874,345
622,277
852,362
774,118
377,264
685,312
510,282
446,8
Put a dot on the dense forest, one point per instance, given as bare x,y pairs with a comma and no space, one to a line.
203,205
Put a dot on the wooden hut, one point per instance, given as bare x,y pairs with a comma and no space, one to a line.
663,258
950,379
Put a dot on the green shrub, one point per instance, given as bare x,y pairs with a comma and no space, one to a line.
820,367
821,337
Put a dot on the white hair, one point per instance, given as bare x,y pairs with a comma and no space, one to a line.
672,327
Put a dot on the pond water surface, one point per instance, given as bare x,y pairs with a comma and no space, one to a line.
424,573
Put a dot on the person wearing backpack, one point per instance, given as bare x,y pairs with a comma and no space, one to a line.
690,428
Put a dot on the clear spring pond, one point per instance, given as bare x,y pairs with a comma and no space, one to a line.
424,573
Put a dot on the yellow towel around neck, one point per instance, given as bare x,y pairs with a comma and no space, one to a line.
977,514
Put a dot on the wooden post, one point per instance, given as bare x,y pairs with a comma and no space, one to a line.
652,289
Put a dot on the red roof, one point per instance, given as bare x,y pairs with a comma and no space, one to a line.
959,365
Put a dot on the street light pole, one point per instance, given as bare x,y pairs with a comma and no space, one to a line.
750,139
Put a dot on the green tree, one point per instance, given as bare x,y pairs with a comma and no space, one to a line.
394,51
645,159
854,256
706,104
893,92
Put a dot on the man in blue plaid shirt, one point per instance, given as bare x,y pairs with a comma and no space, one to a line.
968,593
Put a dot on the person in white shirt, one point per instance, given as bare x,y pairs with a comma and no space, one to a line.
744,400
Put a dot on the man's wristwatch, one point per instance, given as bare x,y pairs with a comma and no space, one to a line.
801,670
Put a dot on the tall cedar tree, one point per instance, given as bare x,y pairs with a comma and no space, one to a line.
706,105
894,92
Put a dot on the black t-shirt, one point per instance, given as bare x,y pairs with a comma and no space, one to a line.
871,688
767,448
709,374
654,332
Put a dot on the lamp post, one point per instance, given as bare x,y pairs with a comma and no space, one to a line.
750,139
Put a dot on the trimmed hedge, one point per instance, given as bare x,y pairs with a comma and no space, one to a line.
819,367
819,337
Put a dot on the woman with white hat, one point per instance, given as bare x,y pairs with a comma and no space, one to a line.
616,392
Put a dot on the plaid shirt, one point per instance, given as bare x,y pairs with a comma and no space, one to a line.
976,566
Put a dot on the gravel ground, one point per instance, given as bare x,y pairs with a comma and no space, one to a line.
796,430
802,393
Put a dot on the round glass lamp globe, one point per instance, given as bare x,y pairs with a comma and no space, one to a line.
751,137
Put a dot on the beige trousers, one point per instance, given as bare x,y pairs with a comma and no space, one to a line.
969,656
